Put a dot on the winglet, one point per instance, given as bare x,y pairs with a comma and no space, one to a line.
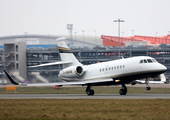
12,80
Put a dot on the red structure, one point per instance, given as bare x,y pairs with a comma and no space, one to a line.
114,41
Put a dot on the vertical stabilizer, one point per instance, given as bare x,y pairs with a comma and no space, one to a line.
66,54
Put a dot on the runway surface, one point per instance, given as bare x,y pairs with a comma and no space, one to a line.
84,96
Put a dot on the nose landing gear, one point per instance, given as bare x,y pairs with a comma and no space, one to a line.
147,83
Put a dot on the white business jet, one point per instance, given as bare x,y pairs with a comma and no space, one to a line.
117,72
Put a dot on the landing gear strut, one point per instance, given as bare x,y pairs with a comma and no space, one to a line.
123,91
147,83
89,91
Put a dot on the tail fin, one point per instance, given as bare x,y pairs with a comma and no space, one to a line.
66,54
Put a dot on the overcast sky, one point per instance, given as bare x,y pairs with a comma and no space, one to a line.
146,17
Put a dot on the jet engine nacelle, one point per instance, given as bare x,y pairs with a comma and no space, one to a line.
73,71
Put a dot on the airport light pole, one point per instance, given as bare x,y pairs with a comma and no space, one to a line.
132,35
168,32
95,36
132,32
119,20
26,35
70,28
83,36
75,38
122,33
156,36
96,45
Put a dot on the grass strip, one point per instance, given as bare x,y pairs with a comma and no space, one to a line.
81,90
52,109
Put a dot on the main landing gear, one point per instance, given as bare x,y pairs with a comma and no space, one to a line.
147,83
123,91
89,91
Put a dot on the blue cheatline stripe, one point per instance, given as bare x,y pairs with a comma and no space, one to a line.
1,46
44,46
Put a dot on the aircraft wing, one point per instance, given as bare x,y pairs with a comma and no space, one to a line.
54,63
71,83
57,83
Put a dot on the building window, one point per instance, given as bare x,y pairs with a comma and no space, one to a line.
17,66
17,57
16,48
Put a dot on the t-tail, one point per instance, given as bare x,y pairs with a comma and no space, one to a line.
66,54
67,57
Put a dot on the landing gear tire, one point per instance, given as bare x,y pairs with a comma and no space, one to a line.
148,88
123,91
90,92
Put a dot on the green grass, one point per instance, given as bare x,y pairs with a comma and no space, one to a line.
80,90
54,109
99,109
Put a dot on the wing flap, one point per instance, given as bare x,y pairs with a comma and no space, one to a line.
57,83
98,80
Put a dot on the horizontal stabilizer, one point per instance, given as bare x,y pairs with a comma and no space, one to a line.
54,63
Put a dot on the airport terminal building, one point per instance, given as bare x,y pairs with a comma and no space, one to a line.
19,52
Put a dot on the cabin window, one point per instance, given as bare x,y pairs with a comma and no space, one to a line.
106,69
100,70
109,68
112,68
123,66
103,69
120,67
117,67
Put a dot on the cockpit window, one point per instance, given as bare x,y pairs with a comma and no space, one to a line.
145,61
141,61
153,60
149,60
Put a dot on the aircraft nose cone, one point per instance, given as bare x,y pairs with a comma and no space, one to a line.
163,68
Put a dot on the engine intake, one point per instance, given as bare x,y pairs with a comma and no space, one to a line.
73,71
